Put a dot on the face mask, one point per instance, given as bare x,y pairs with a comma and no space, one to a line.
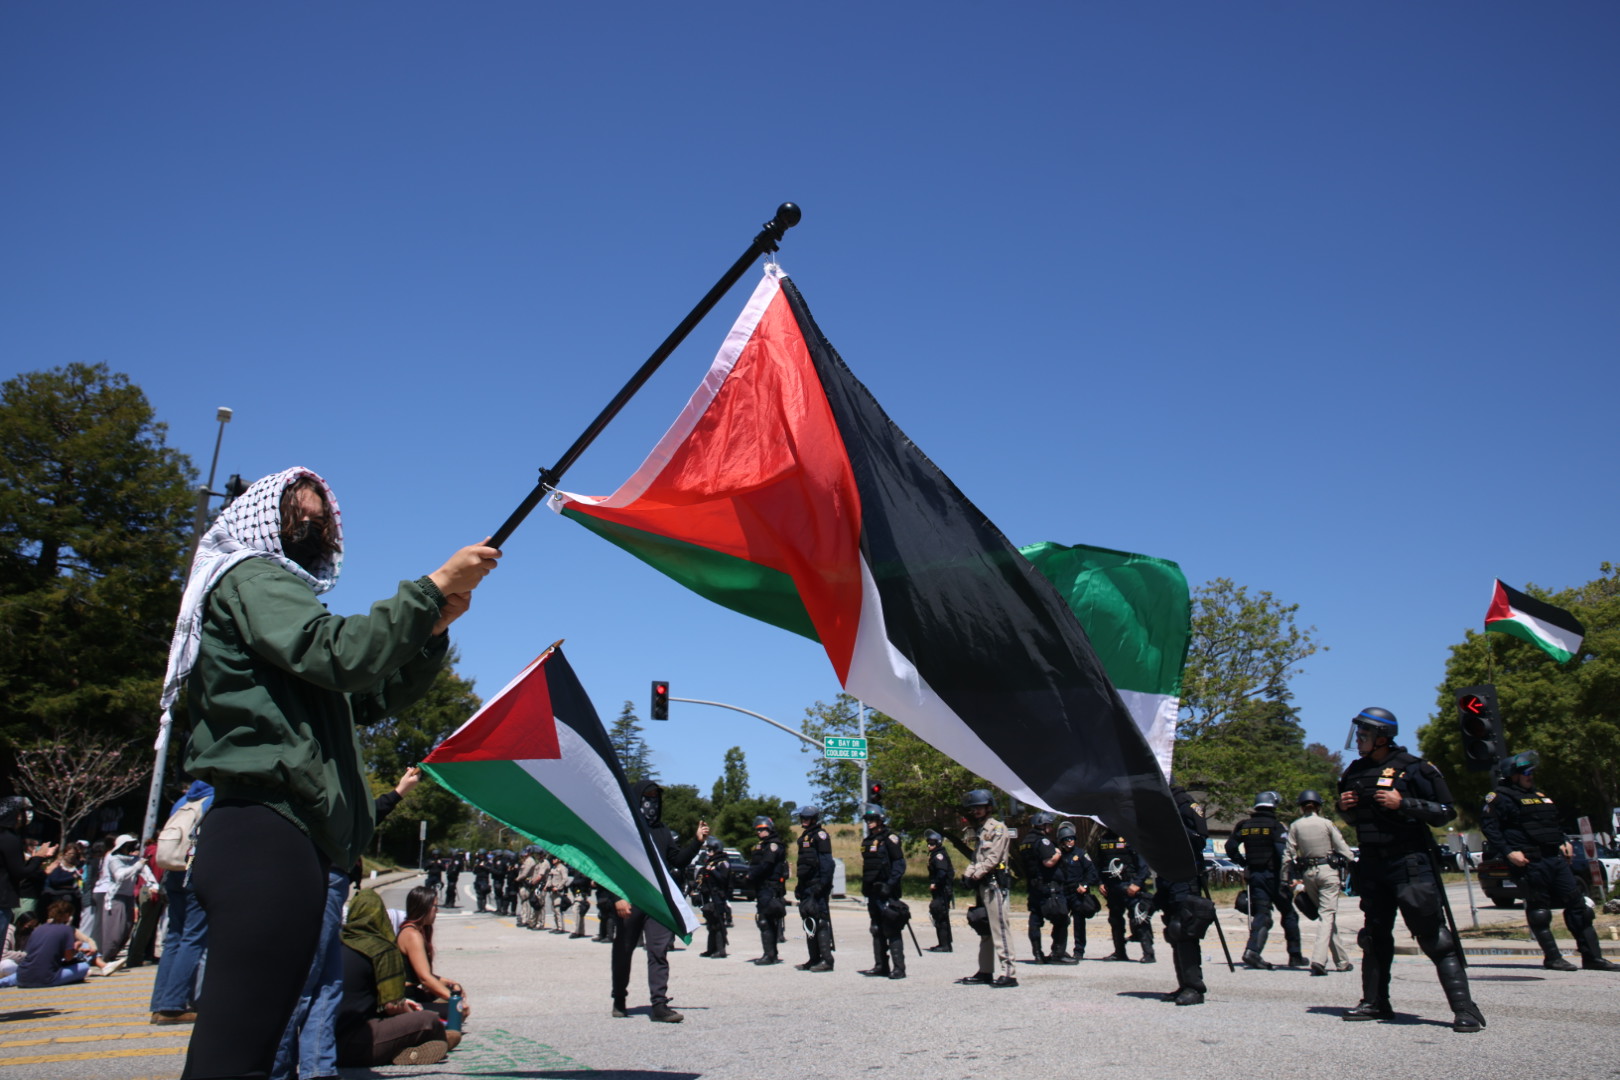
304,545
650,807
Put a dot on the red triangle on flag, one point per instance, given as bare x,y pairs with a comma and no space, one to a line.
518,725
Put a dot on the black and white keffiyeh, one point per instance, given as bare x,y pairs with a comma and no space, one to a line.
249,528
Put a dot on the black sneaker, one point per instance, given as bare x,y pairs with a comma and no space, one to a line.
976,979
1297,961
619,1012
663,1014
1318,969
1004,982
897,974
938,948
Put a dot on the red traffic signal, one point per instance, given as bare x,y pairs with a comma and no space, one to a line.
660,700
1480,721
874,794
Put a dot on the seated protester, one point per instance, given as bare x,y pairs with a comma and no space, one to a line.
15,947
376,1023
416,943
52,957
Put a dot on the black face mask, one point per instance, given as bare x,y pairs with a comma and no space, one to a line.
651,808
304,545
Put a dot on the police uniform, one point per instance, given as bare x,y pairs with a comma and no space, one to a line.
714,891
435,874
883,865
1121,867
815,868
556,894
1257,844
1047,904
1075,869
989,841
605,921
1317,852
1187,913
480,869
1395,873
941,894
580,886
767,873
1526,820
452,874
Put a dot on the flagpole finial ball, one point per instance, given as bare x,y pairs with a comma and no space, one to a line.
788,214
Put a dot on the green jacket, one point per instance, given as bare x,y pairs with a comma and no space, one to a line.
280,685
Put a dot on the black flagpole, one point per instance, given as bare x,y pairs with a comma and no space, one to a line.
787,216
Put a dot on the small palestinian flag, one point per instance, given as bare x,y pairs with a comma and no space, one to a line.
784,492
537,759
1556,631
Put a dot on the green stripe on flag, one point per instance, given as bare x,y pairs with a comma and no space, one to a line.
1515,628
745,587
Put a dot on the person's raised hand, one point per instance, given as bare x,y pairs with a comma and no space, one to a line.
455,606
465,569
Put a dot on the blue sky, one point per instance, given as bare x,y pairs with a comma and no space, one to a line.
1318,298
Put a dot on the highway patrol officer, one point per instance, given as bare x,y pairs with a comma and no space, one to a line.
1188,914
1316,853
1038,858
1521,825
1257,844
813,889
1392,797
714,893
988,840
580,886
767,873
941,891
1078,877
1124,880
883,865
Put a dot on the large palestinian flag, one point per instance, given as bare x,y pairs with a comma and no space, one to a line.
1137,614
1554,630
537,759
783,492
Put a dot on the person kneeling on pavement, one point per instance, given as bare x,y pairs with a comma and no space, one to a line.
415,942
376,1023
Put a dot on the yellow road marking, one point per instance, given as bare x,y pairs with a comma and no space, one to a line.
93,1038
94,1055
9,1030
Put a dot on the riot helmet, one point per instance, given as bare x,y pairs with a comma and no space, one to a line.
1066,831
1267,800
874,813
1380,722
933,838
1309,797
809,815
1522,764
711,843
763,821
1041,820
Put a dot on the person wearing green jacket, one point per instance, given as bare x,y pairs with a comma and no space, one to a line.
276,686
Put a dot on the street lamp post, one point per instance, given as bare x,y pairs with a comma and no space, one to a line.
198,526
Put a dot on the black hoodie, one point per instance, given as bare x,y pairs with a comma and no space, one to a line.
663,839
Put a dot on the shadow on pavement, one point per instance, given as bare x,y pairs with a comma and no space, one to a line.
1399,1019
28,1014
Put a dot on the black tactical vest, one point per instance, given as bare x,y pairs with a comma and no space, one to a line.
1259,835
1532,814
1375,826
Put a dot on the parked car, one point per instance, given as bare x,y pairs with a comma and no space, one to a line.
1220,870
740,889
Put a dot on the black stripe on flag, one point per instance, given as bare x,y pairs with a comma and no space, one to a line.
989,634
1542,611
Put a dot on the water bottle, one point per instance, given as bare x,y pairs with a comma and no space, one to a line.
453,1021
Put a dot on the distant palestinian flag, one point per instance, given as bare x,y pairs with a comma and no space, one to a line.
784,492
1137,614
1555,630
537,759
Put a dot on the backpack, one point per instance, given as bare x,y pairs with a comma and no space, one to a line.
178,836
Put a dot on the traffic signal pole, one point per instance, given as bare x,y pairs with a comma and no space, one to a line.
757,716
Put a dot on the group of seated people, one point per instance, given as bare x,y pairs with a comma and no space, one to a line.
53,953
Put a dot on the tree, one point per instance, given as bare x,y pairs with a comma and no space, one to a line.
684,808
397,742
94,527
1568,713
1239,734
732,786
634,756
73,771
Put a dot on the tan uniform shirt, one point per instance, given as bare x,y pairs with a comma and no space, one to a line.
1314,837
989,842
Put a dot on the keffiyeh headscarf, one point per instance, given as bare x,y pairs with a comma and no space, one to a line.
249,528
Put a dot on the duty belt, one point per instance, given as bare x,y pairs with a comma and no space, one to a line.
1316,860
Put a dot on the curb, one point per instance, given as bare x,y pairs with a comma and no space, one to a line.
1530,952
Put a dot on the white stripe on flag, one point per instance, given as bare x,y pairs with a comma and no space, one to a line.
1566,641
1155,716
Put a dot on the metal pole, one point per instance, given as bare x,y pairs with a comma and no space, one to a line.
1468,878
860,800
787,216
756,716
161,751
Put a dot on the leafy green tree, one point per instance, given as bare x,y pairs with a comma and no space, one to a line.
734,823
634,756
1239,733
1568,713
684,808
732,786
94,524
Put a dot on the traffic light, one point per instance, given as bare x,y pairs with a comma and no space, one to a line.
234,487
874,794
1480,720
660,704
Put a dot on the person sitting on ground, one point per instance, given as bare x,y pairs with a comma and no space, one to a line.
376,1023
52,957
416,943
15,947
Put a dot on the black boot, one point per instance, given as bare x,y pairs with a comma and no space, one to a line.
880,959
1454,981
1541,930
1591,952
897,957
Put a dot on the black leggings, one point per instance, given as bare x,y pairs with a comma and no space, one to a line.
263,884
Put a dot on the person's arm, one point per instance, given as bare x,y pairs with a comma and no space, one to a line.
390,799
410,943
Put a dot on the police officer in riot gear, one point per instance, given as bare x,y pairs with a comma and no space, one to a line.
988,839
1521,825
1257,844
1188,915
767,873
452,874
883,865
1078,878
1393,797
813,889
435,871
1124,881
481,871
941,890
714,894
1038,859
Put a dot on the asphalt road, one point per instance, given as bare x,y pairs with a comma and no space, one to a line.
540,1009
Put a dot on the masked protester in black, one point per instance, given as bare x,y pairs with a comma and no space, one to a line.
1038,859
1521,824
883,865
1187,914
633,923
941,891
714,893
1256,844
813,888
1124,884
1393,797
1078,879
767,873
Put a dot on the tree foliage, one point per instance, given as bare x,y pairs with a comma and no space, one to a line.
732,785
71,772
634,755
1568,713
94,525
1239,734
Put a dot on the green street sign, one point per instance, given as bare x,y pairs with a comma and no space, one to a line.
854,749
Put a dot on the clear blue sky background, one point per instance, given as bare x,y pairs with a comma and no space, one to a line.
1321,298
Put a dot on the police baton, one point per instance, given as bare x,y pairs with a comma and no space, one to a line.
1203,883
